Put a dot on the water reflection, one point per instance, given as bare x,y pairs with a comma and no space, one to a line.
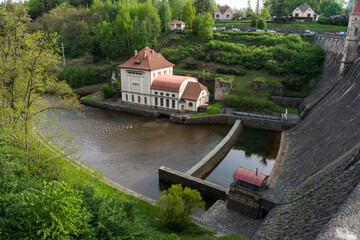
129,149
254,148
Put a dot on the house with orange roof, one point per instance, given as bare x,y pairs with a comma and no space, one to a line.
147,79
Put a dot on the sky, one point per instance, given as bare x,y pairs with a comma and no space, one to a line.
238,3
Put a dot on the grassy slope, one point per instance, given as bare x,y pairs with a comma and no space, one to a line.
289,26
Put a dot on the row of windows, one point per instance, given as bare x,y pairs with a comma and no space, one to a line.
135,84
227,16
133,99
159,73
162,94
134,73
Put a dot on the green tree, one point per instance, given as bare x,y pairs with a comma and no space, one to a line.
176,8
28,64
261,24
264,14
280,9
188,13
164,11
177,204
205,6
333,9
203,27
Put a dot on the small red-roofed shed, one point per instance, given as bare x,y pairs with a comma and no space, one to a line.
250,180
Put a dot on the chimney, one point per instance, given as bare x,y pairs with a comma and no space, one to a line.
256,171
135,54
144,54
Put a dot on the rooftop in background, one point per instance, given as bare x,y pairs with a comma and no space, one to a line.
304,7
223,9
147,59
356,8
249,176
170,83
177,22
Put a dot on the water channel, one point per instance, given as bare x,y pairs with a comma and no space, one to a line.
129,149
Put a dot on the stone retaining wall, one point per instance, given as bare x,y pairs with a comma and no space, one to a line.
286,102
231,119
207,189
204,167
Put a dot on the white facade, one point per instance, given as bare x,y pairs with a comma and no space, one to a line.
221,15
157,87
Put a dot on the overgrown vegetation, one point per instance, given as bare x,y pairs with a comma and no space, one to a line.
286,64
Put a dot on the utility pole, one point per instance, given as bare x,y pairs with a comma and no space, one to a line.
63,53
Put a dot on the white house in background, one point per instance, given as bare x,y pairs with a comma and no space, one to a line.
179,25
225,13
303,12
147,79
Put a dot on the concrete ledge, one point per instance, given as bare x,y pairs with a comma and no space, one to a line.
207,189
212,159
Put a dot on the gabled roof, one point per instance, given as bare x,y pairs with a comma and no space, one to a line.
178,22
169,83
249,176
304,7
356,8
147,59
223,9
193,90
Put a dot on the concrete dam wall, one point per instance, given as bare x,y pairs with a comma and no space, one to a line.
333,47
316,180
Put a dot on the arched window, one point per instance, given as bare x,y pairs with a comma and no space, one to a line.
132,98
190,104
139,99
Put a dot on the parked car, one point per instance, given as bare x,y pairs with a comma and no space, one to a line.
271,31
221,28
290,31
236,30
260,30
214,28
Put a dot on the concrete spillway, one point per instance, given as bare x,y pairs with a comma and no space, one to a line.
319,170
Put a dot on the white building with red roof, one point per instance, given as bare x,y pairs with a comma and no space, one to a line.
224,13
179,25
147,79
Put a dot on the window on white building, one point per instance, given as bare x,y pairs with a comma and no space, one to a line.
165,72
159,73
132,98
167,102
167,94
139,99
161,102
190,104
217,16
161,93
173,95
145,100
126,97
173,103
156,93
227,16
156,101
153,75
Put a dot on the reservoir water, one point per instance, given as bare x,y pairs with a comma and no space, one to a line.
129,149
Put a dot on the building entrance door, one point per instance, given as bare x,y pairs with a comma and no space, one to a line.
182,108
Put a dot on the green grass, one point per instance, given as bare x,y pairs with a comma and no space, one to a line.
289,26
91,98
213,109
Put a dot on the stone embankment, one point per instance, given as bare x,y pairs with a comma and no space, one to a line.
317,180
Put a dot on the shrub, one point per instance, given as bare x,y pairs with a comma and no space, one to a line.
199,54
253,23
272,67
172,236
108,91
80,77
261,24
177,204
231,71
221,70
208,58
190,65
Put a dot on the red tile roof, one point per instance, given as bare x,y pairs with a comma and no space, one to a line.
356,8
177,22
249,176
151,61
193,90
169,83
224,8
